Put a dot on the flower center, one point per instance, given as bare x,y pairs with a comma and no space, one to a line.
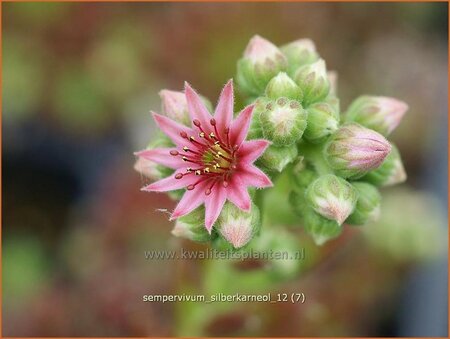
212,158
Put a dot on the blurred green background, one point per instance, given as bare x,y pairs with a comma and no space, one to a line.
78,82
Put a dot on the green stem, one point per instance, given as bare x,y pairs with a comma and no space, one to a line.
313,153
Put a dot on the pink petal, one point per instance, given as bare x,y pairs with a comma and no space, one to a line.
172,128
162,156
224,109
213,205
170,184
252,150
190,201
238,194
196,107
253,176
239,127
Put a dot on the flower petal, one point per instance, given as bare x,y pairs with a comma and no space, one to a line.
162,156
190,201
172,128
224,109
239,127
238,194
253,176
252,150
169,184
196,107
213,205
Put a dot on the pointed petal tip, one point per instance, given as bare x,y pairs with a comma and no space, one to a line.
227,89
155,115
246,207
229,83
208,226
250,107
266,183
177,213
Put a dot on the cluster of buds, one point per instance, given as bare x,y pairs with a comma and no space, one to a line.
344,157
291,127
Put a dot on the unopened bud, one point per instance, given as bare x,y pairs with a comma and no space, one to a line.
304,177
255,129
313,81
174,106
323,120
319,228
334,102
354,150
367,207
299,53
332,197
276,158
283,86
391,171
262,61
333,80
192,226
283,121
381,114
237,226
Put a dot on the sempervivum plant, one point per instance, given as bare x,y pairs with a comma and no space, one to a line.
217,163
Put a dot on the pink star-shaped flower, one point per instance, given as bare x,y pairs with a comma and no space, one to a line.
211,159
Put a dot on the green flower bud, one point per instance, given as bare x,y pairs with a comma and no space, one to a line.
262,61
192,226
332,79
283,86
332,197
277,158
303,176
299,53
323,120
353,150
391,171
283,122
313,81
319,228
255,129
382,114
333,101
367,207
237,226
